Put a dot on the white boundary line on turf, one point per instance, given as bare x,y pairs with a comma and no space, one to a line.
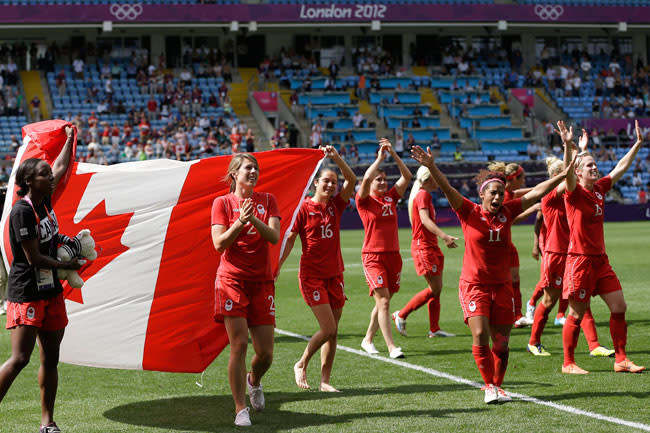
458,379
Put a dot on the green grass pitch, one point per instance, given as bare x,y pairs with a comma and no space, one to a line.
376,396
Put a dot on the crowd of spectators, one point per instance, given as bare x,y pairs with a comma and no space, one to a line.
11,98
182,138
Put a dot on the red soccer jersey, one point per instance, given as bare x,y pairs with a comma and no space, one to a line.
319,229
247,258
584,211
422,237
555,222
487,242
508,195
379,217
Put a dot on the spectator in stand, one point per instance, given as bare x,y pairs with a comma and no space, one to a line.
358,120
353,154
60,82
533,151
152,108
249,139
36,108
642,197
113,155
235,140
14,143
410,142
78,67
595,108
458,156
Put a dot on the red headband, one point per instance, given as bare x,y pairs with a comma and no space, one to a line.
516,174
492,179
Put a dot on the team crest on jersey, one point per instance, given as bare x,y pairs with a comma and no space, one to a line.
260,209
582,294
316,295
434,269
330,210
502,218
31,313
558,281
228,305
388,199
380,280
598,195
472,306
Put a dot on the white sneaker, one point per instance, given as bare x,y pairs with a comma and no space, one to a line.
2,310
441,333
502,396
523,322
243,417
400,323
530,312
369,347
491,395
255,394
396,353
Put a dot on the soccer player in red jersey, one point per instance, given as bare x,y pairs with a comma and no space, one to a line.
321,266
382,262
244,223
515,181
556,242
427,257
485,286
588,271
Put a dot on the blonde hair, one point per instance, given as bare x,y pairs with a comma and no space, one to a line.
502,167
554,165
422,175
235,163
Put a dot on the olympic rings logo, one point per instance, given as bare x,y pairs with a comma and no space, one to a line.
549,12
126,11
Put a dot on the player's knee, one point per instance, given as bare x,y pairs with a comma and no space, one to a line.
19,361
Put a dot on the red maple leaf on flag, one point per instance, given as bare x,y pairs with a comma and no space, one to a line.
106,230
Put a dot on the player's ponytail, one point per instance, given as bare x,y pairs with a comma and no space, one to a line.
421,176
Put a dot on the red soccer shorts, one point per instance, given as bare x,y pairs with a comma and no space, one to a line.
494,301
46,314
323,291
587,276
428,261
382,270
254,300
553,267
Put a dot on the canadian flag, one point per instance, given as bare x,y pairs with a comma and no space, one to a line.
148,299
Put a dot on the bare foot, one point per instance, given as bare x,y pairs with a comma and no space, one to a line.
326,387
301,376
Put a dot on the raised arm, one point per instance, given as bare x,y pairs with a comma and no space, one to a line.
62,162
570,151
525,214
405,174
426,158
371,173
543,188
350,178
625,162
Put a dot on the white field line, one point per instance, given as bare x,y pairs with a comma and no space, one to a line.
561,407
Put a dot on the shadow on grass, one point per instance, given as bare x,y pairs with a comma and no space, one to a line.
216,413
